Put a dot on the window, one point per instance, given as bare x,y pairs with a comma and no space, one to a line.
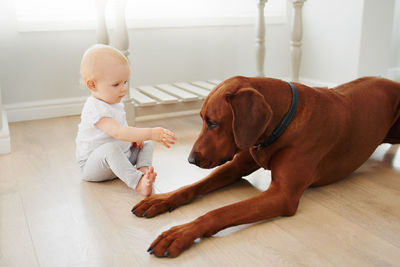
81,14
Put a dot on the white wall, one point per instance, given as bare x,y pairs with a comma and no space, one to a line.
331,40
43,66
7,44
376,37
201,53
344,40
339,44
394,70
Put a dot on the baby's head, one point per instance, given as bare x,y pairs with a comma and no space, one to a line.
105,71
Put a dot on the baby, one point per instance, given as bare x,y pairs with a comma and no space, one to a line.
106,147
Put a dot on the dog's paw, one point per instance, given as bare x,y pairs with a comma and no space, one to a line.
153,205
171,243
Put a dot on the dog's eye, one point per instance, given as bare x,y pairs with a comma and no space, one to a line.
211,125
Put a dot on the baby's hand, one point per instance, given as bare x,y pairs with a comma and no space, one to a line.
139,144
163,136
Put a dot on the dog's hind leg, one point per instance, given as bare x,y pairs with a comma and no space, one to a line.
393,136
242,164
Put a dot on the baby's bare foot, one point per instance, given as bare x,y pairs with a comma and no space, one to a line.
145,185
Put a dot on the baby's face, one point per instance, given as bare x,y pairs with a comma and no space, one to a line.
112,85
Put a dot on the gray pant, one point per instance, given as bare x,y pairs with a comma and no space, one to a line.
108,161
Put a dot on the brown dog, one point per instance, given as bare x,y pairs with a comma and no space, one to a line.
305,136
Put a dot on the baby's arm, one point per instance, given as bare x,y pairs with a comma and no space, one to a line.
133,134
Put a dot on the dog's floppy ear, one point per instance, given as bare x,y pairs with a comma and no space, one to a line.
251,116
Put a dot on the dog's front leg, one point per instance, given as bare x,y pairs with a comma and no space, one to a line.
269,204
242,165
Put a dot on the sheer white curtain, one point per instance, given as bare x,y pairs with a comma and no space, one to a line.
65,11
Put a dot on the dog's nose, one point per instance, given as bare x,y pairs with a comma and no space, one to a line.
192,159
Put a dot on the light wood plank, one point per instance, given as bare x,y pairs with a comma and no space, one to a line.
362,203
141,99
175,91
61,213
194,89
333,235
204,85
158,94
49,217
16,247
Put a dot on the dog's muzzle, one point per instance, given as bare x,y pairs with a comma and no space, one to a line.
192,158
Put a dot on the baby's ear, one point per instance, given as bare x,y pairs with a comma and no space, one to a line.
91,85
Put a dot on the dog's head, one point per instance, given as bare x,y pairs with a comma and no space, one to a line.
234,116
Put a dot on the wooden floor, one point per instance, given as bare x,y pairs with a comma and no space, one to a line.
49,217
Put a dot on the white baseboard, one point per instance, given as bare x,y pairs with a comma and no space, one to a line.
45,109
5,141
310,82
317,83
167,115
394,74
37,110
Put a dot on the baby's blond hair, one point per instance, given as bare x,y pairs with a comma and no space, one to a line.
91,58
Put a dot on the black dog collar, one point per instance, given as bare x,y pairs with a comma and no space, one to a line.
278,131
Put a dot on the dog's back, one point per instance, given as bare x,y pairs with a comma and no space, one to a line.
369,117
374,105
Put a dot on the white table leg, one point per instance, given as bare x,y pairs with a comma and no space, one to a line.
101,32
297,35
121,42
5,141
260,39
121,38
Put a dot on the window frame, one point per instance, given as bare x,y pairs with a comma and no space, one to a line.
42,25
